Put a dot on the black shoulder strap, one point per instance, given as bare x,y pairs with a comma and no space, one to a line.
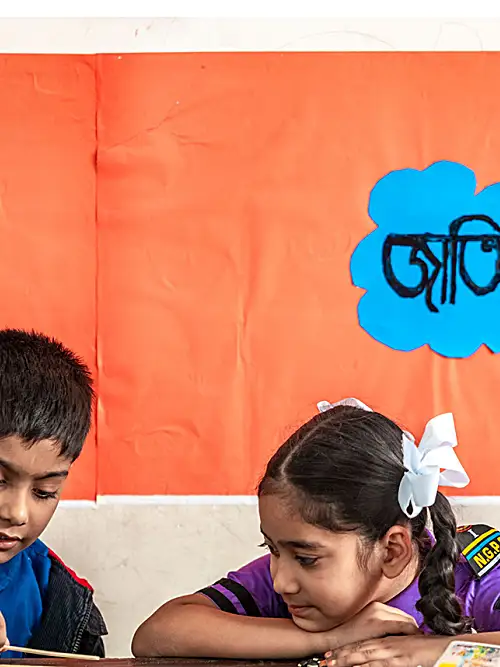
219,599
240,593
480,546
245,598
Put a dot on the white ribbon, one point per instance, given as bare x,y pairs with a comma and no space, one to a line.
323,406
432,464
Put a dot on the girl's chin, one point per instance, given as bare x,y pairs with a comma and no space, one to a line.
318,624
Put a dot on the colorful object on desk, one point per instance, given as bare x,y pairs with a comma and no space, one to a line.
311,662
469,654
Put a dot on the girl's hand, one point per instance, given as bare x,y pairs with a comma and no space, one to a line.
375,620
390,652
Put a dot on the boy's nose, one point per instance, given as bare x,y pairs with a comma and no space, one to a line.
14,508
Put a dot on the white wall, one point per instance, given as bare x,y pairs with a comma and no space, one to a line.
138,555
139,35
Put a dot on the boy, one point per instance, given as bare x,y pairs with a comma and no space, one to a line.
45,413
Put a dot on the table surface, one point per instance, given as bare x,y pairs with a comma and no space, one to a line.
147,662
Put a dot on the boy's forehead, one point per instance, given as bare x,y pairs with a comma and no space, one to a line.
32,459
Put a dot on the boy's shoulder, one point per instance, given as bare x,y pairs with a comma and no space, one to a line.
71,622
58,563
46,560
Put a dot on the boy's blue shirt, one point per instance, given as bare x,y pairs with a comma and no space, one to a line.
23,583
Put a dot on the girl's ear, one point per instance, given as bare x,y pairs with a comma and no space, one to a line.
397,550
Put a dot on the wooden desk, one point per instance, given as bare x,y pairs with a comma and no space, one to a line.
147,662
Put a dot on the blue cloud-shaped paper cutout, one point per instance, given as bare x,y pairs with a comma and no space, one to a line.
454,235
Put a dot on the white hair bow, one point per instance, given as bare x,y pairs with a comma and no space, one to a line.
432,464
323,406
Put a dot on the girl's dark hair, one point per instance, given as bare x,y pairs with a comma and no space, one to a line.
343,469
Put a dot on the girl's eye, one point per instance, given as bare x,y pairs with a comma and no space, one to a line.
44,495
267,546
306,561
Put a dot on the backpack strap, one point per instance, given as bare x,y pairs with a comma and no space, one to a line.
480,546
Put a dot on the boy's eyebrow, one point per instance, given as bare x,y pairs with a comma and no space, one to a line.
9,466
48,475
296,544
62,474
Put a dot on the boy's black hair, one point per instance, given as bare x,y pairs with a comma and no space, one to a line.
342,471
45,391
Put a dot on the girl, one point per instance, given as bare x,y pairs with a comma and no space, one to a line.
344,505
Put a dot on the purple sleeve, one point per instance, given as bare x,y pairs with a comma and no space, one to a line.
248,591
485,607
